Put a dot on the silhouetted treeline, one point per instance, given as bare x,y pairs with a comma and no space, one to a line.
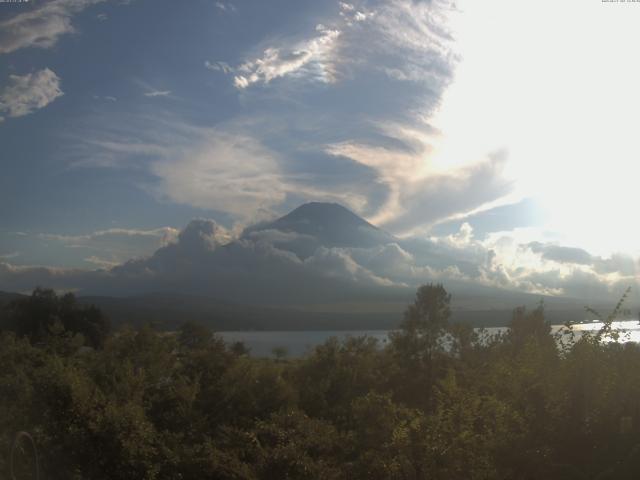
434,402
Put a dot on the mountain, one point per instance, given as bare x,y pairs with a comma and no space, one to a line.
317,224
304,257
8,297
332,225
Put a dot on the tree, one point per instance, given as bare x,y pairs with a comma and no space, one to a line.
193,335
426,320
37,316
530,326
415,345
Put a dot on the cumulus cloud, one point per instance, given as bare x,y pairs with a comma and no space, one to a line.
561,254
27,93
204,259
337,262
202,234
553,268
265,265
251,267
42,26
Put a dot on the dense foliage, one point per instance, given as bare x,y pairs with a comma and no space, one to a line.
436,401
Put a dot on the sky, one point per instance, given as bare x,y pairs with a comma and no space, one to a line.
504,130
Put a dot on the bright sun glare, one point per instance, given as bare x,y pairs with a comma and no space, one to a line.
561,99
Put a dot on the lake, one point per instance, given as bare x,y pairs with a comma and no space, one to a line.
298,343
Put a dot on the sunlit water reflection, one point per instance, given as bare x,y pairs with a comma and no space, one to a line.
297,343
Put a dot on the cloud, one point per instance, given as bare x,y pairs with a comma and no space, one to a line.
157,93
403,39
400,46
204,259
346,142
108,98
28,93
264,266
419,196
218,67
21,279
202,234
222,169
226,172
308,57
115,245
226,6
554,268
338,263
420,30
42,26
101,262
346,7
561,254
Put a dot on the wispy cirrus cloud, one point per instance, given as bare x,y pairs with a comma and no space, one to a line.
363,50
404,39
420,196
25,94
108,98
385,141
107,238
112,246
157,93
224,169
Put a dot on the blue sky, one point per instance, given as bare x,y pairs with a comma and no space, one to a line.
124,120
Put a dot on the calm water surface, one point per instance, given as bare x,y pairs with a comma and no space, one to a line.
298,343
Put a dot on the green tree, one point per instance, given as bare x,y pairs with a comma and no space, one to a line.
418,344
36,317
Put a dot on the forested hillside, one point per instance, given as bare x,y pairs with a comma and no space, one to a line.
435,402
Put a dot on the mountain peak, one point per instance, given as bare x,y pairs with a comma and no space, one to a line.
322,213
331,225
